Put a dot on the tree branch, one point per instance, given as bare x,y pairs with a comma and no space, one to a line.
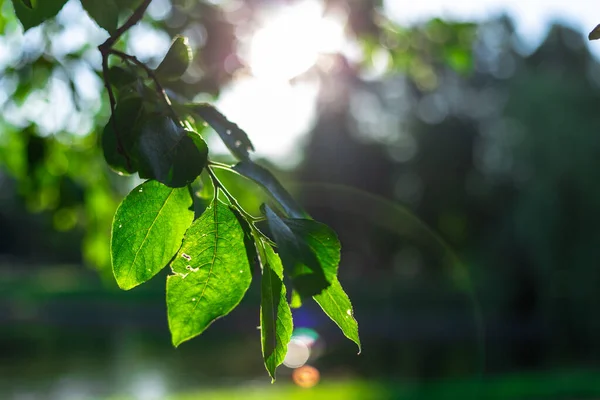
133,19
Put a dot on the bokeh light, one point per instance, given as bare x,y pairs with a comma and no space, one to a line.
297,354
306,376
304,345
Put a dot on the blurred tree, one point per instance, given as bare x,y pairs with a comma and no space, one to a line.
502,163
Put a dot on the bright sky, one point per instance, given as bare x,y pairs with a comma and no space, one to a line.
532,16
277,115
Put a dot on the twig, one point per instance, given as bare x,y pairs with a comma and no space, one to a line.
105,49
217,183
227,168
133,19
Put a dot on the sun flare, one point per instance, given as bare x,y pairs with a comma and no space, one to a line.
292,38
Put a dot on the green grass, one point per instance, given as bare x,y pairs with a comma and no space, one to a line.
555,385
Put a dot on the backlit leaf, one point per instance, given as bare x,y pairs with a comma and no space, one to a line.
275,315
233,136
169,153
36,12
147,231
310,252
296,300
177,60
336,304
211,273
266,179
105,13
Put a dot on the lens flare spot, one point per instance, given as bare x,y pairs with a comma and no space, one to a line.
306,335
306,376
297,354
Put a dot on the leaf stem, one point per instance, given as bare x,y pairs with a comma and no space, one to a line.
218,184
229,168
220,165
249,217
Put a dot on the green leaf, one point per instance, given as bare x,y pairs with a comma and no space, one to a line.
336,304
128,5
310,252
177,60
169,153
105,13
236,140
595,34
147,231
27,3
211,273
249,239
296,300
39,11
124,80
122,158
276,324
266,179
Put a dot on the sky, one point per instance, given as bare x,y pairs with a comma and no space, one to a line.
532,17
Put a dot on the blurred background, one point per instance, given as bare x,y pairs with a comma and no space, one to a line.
452,145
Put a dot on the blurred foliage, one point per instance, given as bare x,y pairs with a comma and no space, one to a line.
56,165
501,161
579,384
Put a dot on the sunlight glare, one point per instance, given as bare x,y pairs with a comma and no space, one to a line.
291,40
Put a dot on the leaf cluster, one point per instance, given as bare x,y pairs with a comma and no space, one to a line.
211,255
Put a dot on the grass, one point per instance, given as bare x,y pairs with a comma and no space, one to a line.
554,385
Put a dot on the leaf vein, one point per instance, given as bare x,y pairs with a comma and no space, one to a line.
212,262
148,233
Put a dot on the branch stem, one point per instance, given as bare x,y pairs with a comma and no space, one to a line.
133,19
